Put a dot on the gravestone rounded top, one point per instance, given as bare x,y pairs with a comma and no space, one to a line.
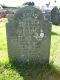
29,11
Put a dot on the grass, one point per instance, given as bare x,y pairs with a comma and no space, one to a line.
8,71
55,45
3,44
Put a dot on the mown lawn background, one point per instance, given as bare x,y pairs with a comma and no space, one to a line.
50,72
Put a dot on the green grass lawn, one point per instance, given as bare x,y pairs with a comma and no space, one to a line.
3,44
19,72
55,45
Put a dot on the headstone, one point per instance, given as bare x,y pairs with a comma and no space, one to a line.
28,36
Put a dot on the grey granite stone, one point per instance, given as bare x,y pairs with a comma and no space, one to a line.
28,36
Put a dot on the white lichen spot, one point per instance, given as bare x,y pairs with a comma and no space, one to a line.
39,36
38,22
36,17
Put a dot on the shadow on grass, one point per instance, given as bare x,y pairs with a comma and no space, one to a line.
37,71
54,33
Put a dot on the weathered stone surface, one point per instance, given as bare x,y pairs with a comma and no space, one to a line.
28,36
